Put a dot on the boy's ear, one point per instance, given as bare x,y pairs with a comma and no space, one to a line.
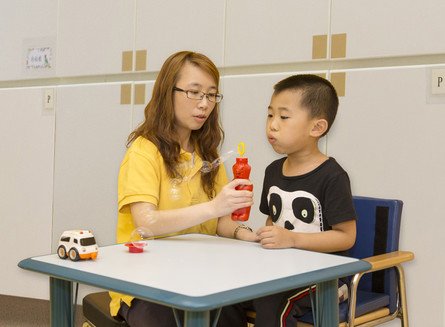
320,126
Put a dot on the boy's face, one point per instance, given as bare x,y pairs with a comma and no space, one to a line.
289,127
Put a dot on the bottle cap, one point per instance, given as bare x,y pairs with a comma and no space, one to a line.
241,148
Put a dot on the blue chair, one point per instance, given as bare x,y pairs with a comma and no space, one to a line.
377,295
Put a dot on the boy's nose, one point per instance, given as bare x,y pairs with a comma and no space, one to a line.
273,126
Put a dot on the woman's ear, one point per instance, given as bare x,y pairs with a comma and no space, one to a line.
319,128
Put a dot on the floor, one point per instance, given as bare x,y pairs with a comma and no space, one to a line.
24,312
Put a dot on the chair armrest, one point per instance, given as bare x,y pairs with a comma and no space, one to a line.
379,262
388,260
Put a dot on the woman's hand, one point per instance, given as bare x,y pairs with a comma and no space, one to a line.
229,199
247,235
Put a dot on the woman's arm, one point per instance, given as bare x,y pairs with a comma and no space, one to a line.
161,222
227,227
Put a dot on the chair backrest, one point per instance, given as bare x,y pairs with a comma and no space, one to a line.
378,229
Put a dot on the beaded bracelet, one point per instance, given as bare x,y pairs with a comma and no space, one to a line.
241,226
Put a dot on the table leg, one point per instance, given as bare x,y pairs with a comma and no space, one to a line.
197,318
61,297
327,304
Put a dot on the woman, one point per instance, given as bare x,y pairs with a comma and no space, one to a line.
161,188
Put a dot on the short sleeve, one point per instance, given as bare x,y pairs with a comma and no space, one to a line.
264,206
221,179
338,204
139,179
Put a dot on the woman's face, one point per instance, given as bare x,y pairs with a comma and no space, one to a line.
191,114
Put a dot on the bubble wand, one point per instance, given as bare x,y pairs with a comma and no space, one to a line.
207,167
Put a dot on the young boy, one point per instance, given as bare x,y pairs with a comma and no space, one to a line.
306,195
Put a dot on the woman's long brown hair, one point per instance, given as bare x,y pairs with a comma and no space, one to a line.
159,124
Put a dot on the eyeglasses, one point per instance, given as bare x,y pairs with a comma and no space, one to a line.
198,95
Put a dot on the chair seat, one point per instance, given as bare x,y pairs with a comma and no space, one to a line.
366,302
368,317
97,311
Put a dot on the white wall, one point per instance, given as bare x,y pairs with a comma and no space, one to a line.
26,193
59,166
91,127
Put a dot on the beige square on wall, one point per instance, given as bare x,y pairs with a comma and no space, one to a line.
319,46
126,94
127,61
139,94
141,60
338,46
322,75
339,82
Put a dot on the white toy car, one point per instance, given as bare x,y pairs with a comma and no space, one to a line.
77,244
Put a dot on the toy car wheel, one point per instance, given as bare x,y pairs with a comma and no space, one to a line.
61,251
74,255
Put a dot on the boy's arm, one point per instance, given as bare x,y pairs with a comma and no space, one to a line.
340,238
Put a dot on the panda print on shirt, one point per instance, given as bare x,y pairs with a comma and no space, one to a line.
297,211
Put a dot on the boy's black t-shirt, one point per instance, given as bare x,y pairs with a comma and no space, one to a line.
309,203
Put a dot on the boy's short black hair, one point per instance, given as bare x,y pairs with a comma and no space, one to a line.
318,95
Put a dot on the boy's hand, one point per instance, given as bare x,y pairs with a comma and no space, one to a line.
275,237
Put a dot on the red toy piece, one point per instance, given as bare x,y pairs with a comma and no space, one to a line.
136,247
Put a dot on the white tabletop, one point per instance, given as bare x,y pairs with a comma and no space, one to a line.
199,265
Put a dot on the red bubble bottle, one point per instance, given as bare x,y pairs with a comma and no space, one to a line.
241,169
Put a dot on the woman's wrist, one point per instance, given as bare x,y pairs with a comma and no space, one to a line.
239,230
207,210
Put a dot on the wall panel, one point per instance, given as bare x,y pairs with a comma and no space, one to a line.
26,188
138,110
165,27
23,24
390,28
91,130
91,40
265,32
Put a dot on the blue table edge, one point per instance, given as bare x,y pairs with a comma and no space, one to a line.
198,303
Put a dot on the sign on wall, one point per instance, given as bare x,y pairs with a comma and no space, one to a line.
39,57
